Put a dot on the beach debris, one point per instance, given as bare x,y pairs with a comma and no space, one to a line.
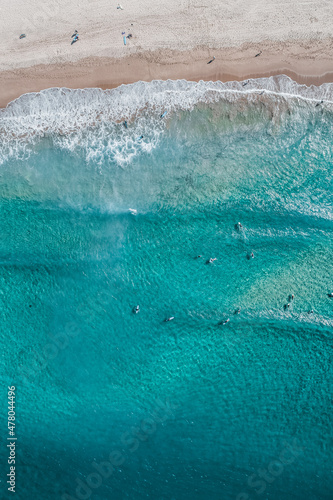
259,53
124,40
129,36
209,62
120,7
75,33
22,36
163,114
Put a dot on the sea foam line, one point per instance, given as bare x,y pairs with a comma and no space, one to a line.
71,116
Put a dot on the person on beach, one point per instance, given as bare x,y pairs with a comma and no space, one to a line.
75,33
209,62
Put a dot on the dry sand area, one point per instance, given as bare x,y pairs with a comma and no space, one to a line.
170,39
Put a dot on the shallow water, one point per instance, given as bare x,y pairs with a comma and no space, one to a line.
195,409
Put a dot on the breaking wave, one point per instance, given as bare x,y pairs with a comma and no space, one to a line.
91,120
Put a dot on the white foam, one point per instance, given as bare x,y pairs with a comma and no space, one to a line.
90,119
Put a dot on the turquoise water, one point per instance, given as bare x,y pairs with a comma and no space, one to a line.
94,222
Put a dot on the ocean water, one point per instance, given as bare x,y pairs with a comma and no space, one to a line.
94,221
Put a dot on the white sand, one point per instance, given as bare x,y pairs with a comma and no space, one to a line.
171,24
171,39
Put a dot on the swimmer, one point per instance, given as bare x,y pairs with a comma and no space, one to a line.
237,311
198,257
238,226
311,312
291,297
319,103
169,319
210,261
250,256
330,294
286,306
125,124
141,137
136,309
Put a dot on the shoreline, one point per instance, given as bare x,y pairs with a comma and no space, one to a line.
231,64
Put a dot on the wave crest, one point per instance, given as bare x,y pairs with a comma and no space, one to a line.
72,117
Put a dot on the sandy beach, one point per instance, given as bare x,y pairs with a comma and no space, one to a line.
169,40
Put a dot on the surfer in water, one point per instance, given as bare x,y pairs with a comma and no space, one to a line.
330,294
238,226
169,319
224,322
210,261
136,309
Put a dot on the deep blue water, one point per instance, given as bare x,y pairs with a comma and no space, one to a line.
95,222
